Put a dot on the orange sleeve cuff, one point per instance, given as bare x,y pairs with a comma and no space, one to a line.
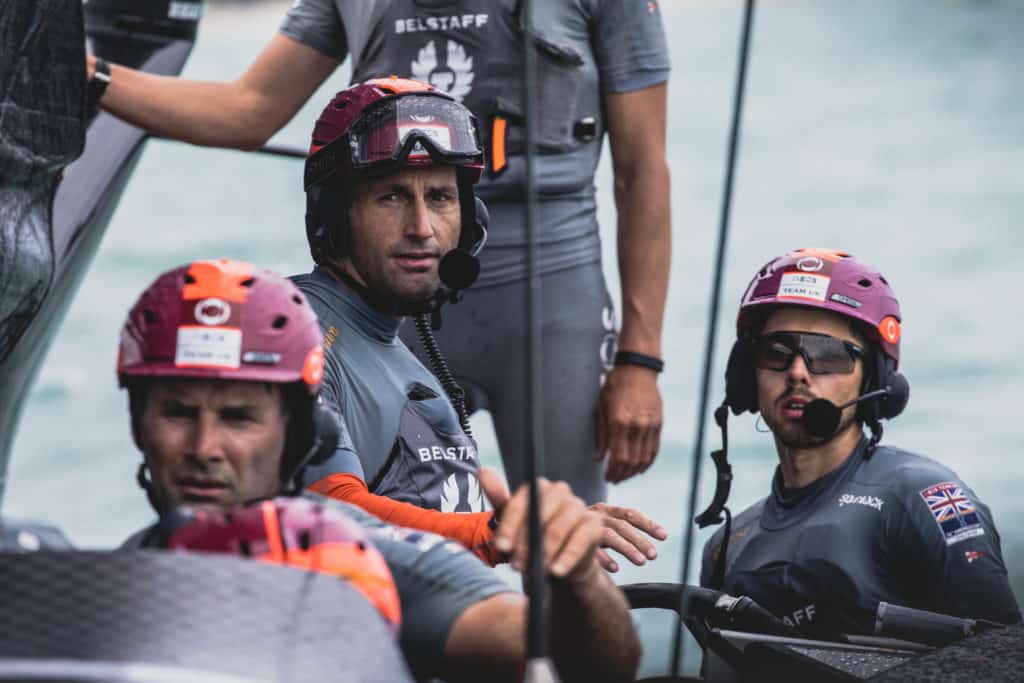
471,530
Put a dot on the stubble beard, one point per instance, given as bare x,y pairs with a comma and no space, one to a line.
794,435
415,299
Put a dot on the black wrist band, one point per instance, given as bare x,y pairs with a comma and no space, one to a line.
98,83
641,359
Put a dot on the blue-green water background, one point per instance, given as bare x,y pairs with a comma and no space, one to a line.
894,131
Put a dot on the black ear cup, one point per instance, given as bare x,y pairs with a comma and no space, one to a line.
459,268
883,375
326,223
313,436
314,225
740,384
899,395
327,432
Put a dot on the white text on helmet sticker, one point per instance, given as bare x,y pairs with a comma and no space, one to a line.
208,347
795,285
439,135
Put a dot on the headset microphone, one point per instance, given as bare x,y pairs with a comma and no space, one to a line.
458,269
821,416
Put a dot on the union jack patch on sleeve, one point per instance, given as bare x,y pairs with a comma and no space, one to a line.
953,511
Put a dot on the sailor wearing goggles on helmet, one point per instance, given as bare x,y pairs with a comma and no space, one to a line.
394,227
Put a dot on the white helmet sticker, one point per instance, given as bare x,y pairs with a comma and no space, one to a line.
796,285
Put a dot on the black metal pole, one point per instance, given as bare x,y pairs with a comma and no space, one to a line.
537,666
709,342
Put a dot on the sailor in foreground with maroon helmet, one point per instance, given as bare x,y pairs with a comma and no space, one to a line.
223,365
849,522
394,229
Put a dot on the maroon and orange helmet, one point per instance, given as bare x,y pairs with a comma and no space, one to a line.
295,532
829,280
222,320
380,127
833,281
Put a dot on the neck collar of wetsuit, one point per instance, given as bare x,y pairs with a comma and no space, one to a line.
374,323
786,507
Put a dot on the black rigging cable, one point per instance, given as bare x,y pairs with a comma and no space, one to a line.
709,343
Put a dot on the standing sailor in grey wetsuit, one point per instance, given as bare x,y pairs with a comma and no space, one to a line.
394,228
849,523
603,66
223,364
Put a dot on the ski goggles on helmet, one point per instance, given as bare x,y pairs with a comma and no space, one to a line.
823,354
412,129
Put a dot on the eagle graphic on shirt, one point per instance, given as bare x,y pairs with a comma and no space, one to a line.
454,76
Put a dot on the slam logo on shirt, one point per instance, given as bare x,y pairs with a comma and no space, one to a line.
454,75
953,511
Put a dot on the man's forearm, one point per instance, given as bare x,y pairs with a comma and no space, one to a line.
644,242
201,113
242,113
592,634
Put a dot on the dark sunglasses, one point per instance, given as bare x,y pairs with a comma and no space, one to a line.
821,353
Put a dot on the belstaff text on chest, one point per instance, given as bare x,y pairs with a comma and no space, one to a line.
447,453
463,21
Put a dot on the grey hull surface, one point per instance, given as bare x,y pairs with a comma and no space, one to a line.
63,166
143,615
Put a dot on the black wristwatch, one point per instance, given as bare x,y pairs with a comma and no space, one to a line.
641,359
98,83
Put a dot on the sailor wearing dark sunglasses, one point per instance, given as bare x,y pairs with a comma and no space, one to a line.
848,523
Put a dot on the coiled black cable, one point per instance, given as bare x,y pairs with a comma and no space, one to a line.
440,367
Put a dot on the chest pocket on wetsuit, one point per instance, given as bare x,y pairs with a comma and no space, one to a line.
432,464
473,50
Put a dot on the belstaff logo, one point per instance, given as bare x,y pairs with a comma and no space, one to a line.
454,76
810,264
451,496
212,311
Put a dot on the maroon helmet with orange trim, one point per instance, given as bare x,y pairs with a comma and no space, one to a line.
222,320
228,320
379,127
834,281
295,532
829,280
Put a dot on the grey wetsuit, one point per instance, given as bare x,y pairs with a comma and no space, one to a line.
901,528
472,49
403,435
436,580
